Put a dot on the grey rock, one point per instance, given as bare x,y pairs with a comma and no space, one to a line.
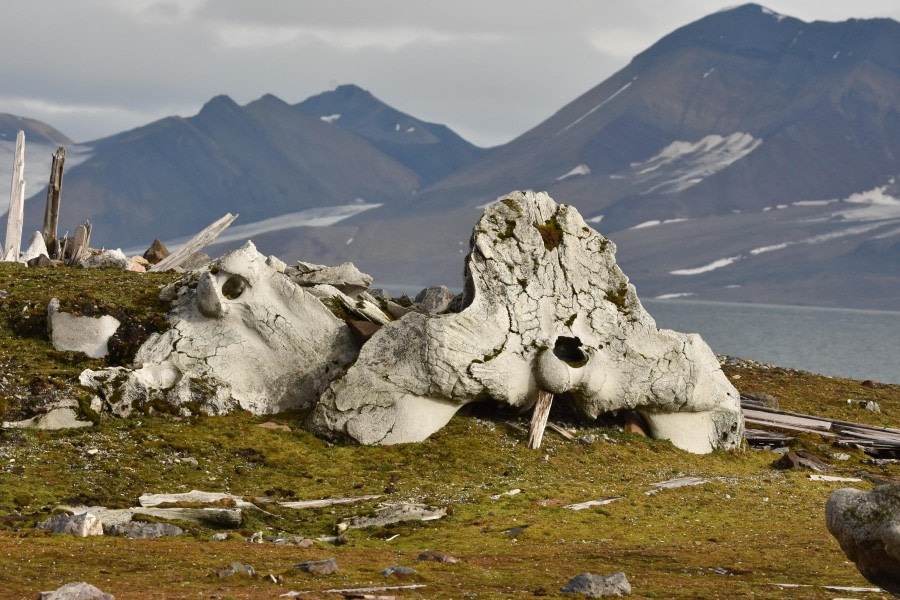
437,556
156,252
872,406
597,586
76,591
89,335
588,439
435,299
539,281
236,569
39,261
138,530
867,526
318,567
114,259
80,525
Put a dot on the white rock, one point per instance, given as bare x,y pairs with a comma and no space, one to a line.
345,277
60,417
77,590
80,525
80,334
540,280
243,336
36,247
106,258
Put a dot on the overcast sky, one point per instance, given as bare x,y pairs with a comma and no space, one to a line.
489,69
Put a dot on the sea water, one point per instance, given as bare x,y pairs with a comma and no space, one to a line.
861,344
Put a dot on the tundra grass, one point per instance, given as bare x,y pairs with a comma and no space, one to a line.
749,527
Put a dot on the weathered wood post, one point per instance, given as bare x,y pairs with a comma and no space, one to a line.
15,215
54,191
539,419
78,248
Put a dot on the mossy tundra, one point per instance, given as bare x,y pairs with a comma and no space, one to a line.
748,528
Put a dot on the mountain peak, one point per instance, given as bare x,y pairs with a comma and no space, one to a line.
349,90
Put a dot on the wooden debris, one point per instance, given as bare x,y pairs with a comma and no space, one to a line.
15,214
590,503
327,501
77,248
872,439
194,245
539,419
195,497
560,430
51,212
675,483
817,477
348,591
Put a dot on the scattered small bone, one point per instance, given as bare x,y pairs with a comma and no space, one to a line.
590,503
328,501
256,538
399,571
318,567
355,596
275,426
676,483
515,531
80,525
437,556
801,460
271,578
196,497
395,513
337,540
227,518
350,591
816,477
89,335
219,537
392,538
76,590
236,568
509,493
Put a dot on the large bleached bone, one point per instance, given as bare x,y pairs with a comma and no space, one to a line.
546,307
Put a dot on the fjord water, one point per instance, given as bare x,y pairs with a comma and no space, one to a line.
860,344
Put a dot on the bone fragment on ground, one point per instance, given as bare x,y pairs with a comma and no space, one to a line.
539,282
89,335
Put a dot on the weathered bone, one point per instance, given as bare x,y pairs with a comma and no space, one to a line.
546,307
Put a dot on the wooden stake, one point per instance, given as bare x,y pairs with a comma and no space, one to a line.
79,248
54,191
194,245
14,216
539,418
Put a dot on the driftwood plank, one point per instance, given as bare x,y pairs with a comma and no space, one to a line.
54,192
560,430
194,245
15,215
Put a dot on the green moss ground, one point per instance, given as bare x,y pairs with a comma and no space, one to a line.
764,526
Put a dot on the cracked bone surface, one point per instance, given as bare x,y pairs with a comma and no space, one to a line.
545,307
243,335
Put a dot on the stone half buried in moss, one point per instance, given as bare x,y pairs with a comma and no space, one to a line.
544,303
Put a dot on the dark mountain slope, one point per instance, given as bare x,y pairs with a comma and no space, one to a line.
432,151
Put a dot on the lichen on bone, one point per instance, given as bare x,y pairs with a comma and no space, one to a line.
546,306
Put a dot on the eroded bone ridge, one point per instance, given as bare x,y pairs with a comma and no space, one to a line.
243,335
545,307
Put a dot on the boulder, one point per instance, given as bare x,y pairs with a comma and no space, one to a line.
80,525
76,591
867,526
242,336
112,259
318,567
545,307
137,530
597,586
89,335
156,252
435,299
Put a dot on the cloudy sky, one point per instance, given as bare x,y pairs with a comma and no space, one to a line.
490,69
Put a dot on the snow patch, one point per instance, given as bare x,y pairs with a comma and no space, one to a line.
596,108
814,202
681,164
330,118
579,170
871,205
778,17
594,220
410,129
708,73
716,264
673,296
655,222
772,248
